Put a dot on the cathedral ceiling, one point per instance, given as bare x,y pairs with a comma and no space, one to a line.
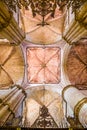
77,65
42,97
42,33
43,62
11,65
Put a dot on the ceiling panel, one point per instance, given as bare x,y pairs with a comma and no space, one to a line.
43,65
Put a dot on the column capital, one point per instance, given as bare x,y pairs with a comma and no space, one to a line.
20,87
79,106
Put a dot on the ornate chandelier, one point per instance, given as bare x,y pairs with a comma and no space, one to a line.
43,7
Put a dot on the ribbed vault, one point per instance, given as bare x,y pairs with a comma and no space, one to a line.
50,33
43,62
11,65
51,100
77,65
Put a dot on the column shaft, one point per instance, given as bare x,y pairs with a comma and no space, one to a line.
78,103
8,26
78,27
10,103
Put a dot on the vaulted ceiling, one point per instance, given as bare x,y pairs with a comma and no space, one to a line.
11,65
50,99
40,59
43,62
77,65
38,32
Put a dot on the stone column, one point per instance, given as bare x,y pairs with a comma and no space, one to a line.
75,32
81,15
9,28
78,103
78,27
10,103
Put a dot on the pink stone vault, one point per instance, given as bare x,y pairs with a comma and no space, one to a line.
43,65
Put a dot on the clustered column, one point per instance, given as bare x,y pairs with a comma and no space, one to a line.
78,103
9,28
78,27
10,103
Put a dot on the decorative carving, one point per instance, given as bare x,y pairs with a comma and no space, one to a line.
74,123
13,4
44,120
44,7
75,4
